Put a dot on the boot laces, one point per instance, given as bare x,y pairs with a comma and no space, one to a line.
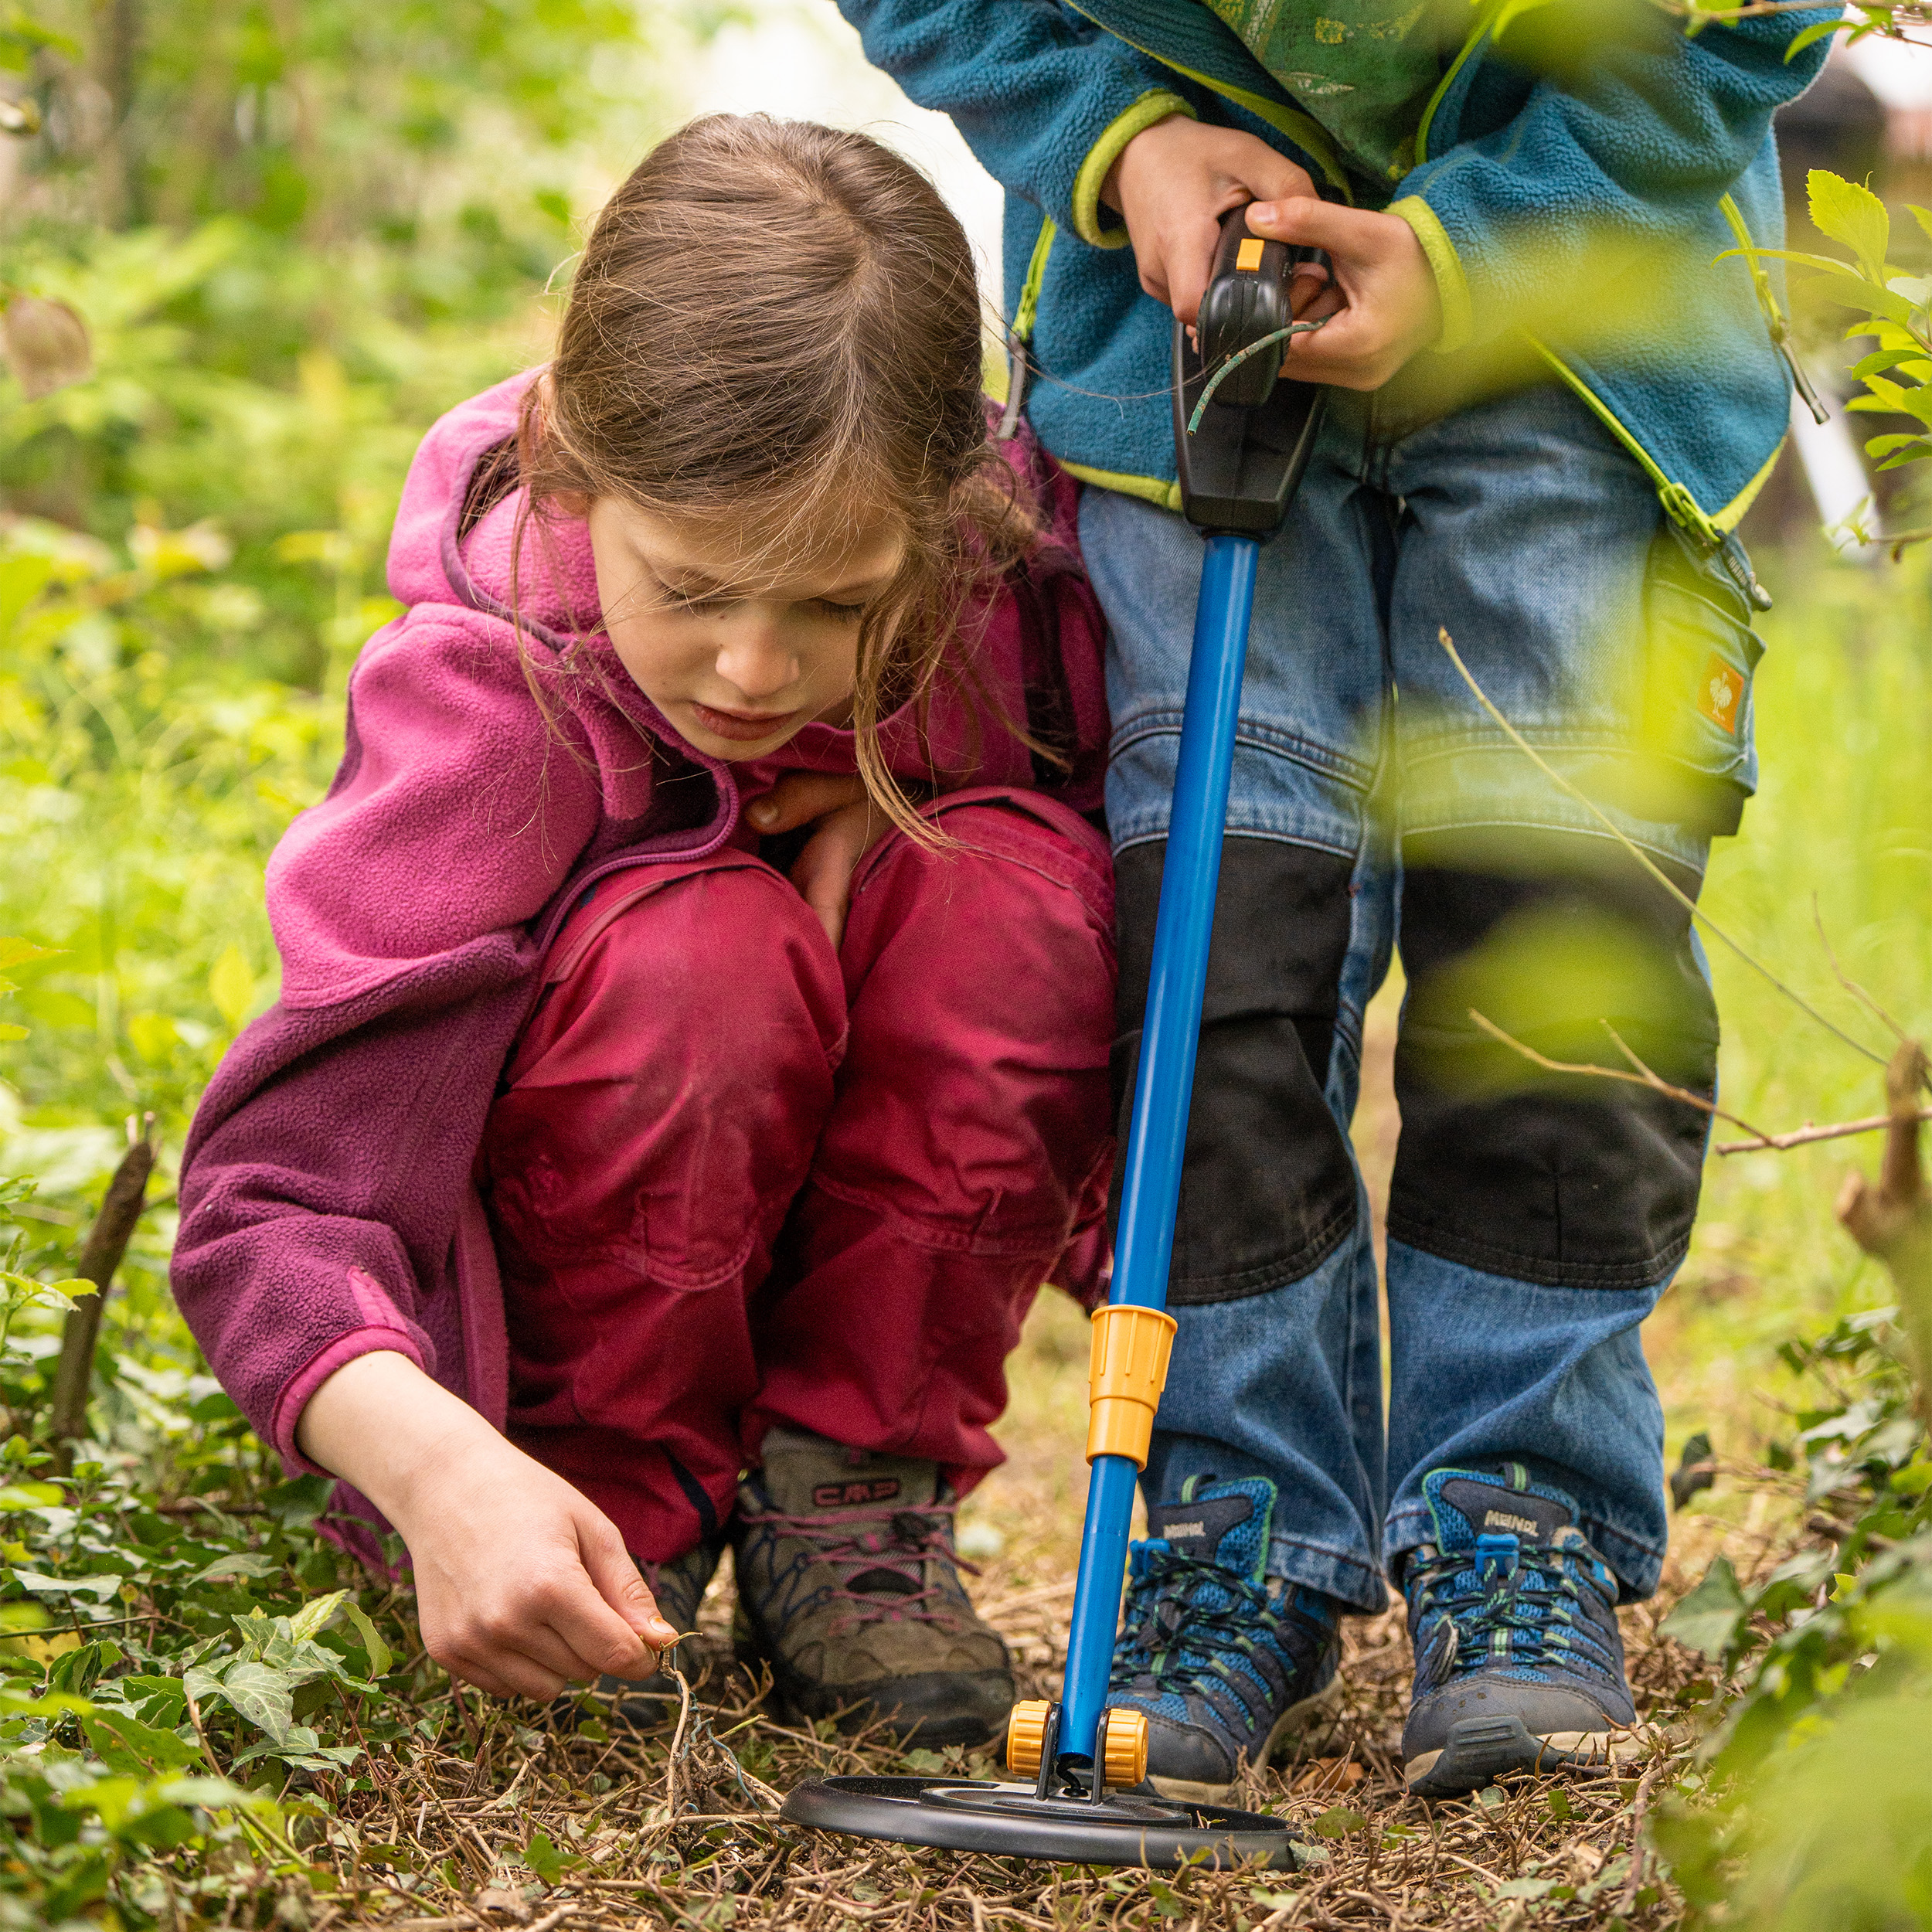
1504,1602
892,1564
1181,1611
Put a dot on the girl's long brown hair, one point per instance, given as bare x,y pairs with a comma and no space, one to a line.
775,328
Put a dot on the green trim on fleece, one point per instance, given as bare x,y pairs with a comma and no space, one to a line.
1307,133
1026,310
1452,286
1157,104
1152,489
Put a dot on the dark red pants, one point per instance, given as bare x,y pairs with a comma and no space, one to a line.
736,1179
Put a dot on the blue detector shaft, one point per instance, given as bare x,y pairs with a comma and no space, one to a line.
1241,452
1238,468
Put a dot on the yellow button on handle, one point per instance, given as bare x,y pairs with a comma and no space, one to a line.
1124,1749
1026,1737
1248,255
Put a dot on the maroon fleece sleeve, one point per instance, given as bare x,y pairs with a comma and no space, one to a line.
327,1162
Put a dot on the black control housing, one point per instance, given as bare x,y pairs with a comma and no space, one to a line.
1239,469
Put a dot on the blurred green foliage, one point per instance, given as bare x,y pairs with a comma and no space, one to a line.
295,233
296,230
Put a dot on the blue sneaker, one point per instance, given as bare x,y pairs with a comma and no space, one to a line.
1520,1664
1222,1669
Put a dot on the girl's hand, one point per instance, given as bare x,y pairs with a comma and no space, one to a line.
849,825
1173,183
521,1584
1381,303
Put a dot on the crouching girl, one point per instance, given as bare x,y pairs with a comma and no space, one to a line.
698,981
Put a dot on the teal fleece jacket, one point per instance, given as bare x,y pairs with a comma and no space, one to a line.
1657,141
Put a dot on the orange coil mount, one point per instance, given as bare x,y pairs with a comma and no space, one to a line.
1124,1746
1131,1349
1026,1737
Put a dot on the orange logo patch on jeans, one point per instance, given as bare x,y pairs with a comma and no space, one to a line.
1719,694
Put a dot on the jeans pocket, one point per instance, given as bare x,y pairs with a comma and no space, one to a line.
1700,657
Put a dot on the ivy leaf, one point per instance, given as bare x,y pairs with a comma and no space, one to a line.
103,1588
1708,1620
380,1656
236,1563
1853,215
263,1694
311,1617
119,1737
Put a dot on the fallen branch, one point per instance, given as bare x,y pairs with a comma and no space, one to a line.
107,1242
1893,1221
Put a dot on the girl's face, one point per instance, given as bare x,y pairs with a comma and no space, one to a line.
738,657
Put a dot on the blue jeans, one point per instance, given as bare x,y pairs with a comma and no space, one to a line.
1374,801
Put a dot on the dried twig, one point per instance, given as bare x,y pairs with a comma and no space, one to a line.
1760,1140
107,1242
1893,1220
1805,1135
1643,859
1851,985
1642,1077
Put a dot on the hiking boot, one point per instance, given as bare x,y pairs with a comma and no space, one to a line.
1224,1667
849,1588
1520,1664
679,1586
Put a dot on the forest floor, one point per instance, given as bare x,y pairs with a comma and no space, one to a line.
675,1827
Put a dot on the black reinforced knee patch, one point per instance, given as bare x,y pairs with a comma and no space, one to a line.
1268,1190
1568,1181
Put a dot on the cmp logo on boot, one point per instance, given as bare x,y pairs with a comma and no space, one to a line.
851,1495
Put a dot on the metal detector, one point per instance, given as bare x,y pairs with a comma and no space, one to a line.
1242,439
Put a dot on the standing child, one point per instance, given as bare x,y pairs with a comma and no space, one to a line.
697,984
1571,519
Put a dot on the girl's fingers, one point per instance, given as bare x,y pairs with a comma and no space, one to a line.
823,871
800,797
507,1674
609,1565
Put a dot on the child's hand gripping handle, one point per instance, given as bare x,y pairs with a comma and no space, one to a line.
1242,435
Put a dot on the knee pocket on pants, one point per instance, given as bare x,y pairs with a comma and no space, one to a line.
1567,1180
1268,1191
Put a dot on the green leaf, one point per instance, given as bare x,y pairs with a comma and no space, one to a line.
1823,30
9,1031
1851,213
1709,1619
380,1656
117,1733
103,1588
546,1861
314,1614
231,986
1338,1821
236,1562
263,1694
15,952
29,1495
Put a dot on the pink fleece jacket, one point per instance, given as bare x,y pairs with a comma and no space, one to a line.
328,1208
